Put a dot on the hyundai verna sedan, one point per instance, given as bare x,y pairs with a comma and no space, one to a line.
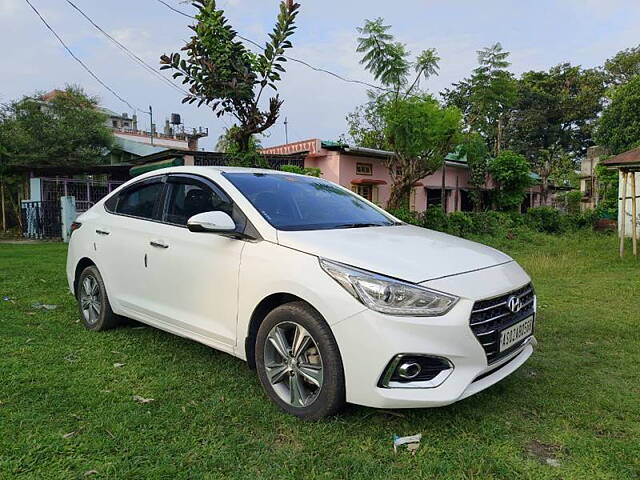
327,296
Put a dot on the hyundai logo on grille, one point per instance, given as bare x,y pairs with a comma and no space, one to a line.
514,303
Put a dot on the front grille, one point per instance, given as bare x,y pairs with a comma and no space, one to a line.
489,317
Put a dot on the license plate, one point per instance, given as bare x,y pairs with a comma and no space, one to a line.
516,333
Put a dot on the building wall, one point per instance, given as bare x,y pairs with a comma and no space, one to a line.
588,183
341,168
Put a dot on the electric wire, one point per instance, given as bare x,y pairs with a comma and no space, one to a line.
84,65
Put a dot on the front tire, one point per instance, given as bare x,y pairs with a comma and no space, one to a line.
298,362
93,302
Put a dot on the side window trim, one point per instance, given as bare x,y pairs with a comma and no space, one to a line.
147,181
173,179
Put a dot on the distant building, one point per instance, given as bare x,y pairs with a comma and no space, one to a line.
363,171
588,181
174,134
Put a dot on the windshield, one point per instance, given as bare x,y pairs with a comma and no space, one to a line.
294,202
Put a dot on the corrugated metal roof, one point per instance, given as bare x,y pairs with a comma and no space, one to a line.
138,149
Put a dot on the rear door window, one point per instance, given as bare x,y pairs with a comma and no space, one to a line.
140,201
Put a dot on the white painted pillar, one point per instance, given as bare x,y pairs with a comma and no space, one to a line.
68,215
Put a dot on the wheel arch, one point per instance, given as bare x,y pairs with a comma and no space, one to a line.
83,263
264,307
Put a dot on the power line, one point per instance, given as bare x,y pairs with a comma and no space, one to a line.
80,61
129,53
293,59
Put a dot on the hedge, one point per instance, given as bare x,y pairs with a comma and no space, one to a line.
492,223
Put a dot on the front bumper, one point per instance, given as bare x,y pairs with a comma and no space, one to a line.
368,340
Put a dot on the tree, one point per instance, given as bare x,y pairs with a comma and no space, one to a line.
619,126
420,133
402,119
224,75
365,125
66,130
485,99
227,142
511,172
474,148
553,119
623,66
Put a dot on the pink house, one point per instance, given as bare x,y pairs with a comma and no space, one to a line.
363,171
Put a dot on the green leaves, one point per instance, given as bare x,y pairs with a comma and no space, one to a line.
223,74
69,131
385,59
511,172
619,125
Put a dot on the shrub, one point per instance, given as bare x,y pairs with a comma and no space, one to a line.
586,219
460,224
435,219
491,223
544,219
406,215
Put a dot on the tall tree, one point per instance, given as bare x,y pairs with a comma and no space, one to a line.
224,75
619,125
486,98
553,119
474,148
403,119
623,66
420,133
67,129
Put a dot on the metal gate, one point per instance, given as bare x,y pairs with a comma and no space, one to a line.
41,219
87,192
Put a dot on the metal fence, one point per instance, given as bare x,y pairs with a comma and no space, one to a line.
41,219
86,191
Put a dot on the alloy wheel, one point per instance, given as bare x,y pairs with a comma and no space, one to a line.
293,364
90,299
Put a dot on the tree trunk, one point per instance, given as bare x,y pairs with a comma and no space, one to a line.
399,196
544,189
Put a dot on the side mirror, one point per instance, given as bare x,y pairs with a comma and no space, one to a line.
218,221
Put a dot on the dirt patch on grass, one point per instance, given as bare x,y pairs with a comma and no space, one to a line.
545,453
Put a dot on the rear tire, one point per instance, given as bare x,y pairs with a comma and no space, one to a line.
93,302
298,362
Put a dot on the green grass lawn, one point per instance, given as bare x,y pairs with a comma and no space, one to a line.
573,411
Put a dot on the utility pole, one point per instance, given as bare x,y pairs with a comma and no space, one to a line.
151,123
286,130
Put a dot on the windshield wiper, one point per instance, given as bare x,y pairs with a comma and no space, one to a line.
360,225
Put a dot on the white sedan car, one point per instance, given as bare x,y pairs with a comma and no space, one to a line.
329,297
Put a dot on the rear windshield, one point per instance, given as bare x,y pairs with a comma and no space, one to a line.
295,202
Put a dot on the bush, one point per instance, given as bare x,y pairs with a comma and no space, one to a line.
406,215
435,219
586,219
460,224
499,224
544,219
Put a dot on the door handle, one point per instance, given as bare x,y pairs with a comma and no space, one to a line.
102,232
157,244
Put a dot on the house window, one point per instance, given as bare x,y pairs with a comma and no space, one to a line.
114,123
364,169
365,191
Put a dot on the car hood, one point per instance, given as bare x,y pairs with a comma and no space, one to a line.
405,252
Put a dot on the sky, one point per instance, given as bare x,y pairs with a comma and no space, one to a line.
539,34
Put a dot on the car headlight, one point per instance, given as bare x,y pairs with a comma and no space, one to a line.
388,295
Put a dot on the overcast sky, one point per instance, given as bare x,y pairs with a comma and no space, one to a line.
539,34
